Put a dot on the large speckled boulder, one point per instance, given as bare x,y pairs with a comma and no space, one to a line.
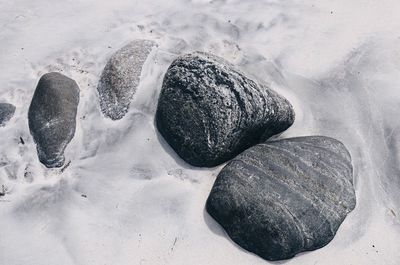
52,117
283,197
6,113
121,76
209,112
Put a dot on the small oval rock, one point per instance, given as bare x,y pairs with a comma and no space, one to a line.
121,76
52,117
7,111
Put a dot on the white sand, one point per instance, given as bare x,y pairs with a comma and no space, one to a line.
337,61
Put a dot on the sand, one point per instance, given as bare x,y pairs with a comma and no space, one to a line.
126,198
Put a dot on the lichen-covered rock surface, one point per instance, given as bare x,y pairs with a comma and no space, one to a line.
209,112
6,113
121,76
52,117
283,197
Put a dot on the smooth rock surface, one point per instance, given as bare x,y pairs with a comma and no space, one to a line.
121,76
52,117
283,197
209,112
6,113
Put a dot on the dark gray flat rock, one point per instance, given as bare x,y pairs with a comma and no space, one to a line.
209,112
6,113
121,76
283,197
52,117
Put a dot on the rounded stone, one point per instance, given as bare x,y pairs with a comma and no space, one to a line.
283,197
209,112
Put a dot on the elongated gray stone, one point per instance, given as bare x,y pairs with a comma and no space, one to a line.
121,76
52,117
279,198
209,112
6,113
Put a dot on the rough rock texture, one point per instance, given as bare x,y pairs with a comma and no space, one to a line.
6,113
283,197
52,117
121,77
209,112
